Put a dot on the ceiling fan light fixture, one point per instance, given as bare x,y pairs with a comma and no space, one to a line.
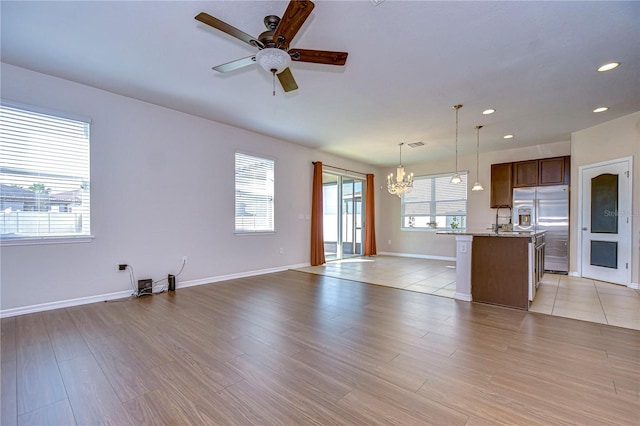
272,58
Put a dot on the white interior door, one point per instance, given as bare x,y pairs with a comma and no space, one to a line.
605,222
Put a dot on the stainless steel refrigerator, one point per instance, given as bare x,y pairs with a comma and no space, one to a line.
545,208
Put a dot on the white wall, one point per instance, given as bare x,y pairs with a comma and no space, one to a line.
608,141
479,215
161,187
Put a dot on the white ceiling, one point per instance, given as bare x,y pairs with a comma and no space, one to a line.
409,63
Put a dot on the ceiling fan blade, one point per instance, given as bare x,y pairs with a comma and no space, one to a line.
318,56
287,80
226,28
297,12
234,65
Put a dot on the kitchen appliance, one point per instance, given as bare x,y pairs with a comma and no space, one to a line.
545,208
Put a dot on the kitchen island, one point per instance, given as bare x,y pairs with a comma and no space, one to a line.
501,268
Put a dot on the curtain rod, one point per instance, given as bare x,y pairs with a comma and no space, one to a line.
340,168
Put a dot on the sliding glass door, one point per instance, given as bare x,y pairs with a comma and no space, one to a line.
343,219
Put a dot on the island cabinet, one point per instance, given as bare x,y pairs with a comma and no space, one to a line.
500,271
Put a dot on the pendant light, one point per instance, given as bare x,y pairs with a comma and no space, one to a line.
477,186
456,179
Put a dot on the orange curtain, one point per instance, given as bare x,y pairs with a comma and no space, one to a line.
369,220
317,235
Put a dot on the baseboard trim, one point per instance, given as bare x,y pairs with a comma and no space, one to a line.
635,286
5,313
220,278
463,296
12,312
574,274
419,256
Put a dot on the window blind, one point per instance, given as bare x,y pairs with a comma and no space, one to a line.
44,175
254,192
434,202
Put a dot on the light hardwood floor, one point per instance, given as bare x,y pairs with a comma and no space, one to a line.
297,348
558,295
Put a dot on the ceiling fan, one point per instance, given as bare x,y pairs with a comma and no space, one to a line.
275,54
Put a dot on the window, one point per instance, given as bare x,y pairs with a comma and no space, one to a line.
44,176
254,194
435,203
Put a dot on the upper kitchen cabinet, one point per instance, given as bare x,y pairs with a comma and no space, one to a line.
501,185
525,173
544,171
540,172
554,171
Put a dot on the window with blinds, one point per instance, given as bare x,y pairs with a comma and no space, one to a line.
44,175
435,203
254,194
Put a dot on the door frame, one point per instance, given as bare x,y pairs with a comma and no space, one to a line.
340,174
581,170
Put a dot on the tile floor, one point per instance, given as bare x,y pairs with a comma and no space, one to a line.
588,300
558,295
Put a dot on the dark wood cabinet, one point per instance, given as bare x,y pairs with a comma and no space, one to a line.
500,271
553,171
544,171
525,173
501,185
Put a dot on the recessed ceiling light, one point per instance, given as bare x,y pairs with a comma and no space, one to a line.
488,111
608,67
601,109
508,136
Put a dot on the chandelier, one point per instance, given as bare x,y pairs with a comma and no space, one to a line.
477,186
456,179
403,182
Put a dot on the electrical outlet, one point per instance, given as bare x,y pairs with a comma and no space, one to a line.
281,250
184,260
389,242
122,267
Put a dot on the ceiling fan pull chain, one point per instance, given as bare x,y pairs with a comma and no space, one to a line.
273,72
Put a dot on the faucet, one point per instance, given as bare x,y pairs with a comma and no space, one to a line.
496,226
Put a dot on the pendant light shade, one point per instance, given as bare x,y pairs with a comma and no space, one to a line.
456,179
477,186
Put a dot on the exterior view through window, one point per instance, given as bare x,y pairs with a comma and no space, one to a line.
435,203
343,219
254,194
44,175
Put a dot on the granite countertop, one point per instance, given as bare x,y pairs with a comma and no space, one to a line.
489,233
